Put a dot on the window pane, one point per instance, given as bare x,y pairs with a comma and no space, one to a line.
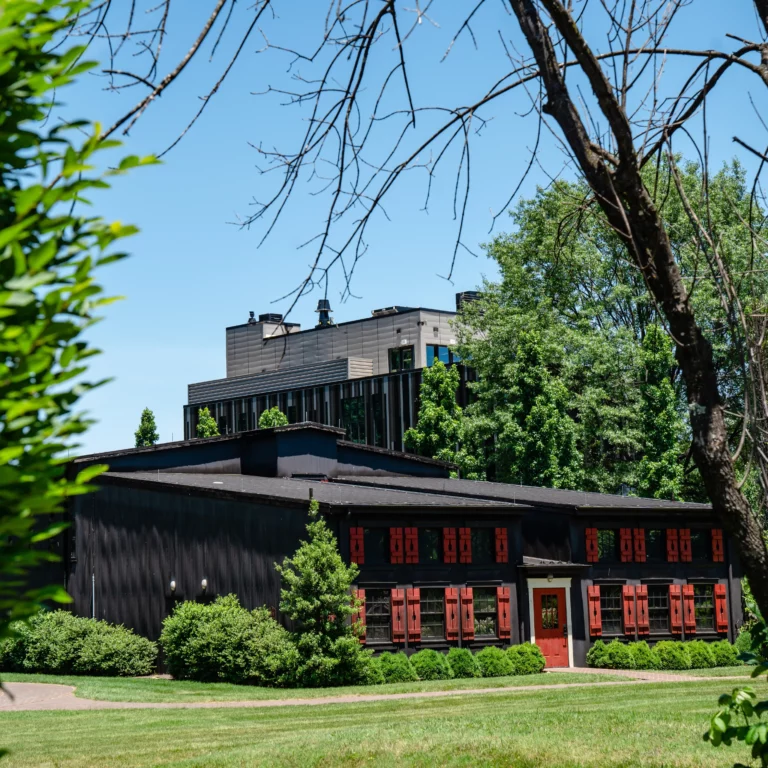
353,418
610,609
376,546
549,612
429,545
407,358
704,606
430,355
484,601
655,545
700,545
482,542
432,613
607,545
378,615
658,609
443,354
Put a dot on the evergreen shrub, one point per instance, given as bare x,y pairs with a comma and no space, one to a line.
463,663
725,654
643,656
701,654
743,642
527,659
597,655
431,665
396,668
618,655
673,654
494,662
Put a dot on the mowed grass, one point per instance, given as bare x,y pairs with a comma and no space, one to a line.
741,671
159,690
632,725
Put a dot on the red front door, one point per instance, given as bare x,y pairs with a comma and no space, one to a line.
550,626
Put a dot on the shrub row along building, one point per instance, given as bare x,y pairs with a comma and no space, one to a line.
442,561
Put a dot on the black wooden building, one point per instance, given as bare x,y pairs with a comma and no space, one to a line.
442,561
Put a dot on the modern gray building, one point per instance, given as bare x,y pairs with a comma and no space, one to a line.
363,375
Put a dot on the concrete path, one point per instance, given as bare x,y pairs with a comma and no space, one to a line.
44,696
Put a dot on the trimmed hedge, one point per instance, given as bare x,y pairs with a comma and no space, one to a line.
673,654
431,665
643,656
396,668
725,654
56,642
701,654
667,654
463,663
494,662
526,658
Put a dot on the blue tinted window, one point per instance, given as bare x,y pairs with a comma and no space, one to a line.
443,354
430,355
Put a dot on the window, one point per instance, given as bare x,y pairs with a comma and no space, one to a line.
607,545
376,546
704,605
438,352
432,614
400,359
610,609
378,408
482,546
378,616
429,545
293,414
353,418
700,545
655,545
485,612
549,608
658,609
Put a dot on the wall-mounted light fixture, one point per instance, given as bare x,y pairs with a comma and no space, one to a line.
550,577
173,585
204,584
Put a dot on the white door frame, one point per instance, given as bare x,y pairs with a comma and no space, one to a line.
563,582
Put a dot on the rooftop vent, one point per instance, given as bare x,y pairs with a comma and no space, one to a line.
251,319
271,317
465,297
323,313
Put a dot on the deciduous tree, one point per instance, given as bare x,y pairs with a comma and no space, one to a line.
206,424
146,434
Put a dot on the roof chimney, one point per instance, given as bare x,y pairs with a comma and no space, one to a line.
323,313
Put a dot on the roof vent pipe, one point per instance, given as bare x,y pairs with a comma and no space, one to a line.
323,313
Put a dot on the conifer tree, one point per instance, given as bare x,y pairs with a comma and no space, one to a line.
206,424
146,434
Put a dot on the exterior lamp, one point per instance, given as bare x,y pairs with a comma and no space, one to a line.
204,584
173,585
550,577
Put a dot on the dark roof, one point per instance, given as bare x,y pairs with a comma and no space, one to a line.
524,494
285,489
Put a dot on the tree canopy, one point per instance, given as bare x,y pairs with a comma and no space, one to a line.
206,424
146,434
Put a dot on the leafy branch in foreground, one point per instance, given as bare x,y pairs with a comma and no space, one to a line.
48,253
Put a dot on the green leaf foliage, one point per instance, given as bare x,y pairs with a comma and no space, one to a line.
725,654
701,654
396,668
494,662
527,659
146,434
49,249
673,654
272,417
643,656
431,665
463,663
206,424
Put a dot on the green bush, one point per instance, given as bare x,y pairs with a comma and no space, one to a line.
701,654
396,668
463,663
725,654
743,642
618,655
527,659
431,665
673,654
57,642
224,642
643,656
494,662
597,655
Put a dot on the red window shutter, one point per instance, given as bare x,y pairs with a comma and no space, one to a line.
465,545
413,598
672,552
592,551
643,624
718,552
502,548
502,611
721,609
411,545
685,545
639,545
451,613
359,614
675,610
467,614
628,593
625,539
356,548
396,545
449,545
398,616
689,610
595,617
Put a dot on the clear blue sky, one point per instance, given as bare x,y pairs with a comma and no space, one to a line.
192,273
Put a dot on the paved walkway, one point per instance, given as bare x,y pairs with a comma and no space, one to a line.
44,696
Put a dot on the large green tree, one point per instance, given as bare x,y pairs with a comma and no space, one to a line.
206,424
146,434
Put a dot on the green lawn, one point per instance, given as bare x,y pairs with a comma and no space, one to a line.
589,727
155,691
741,671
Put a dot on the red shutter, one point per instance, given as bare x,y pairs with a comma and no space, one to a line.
639,545
502,549
718,553
396,545
625,538
675,610
398,616
721,609
449,545
359,614
465,545
672,552
689,610
411,545
592,551
628,593
643,625
356,548
413,598
467,614
502,611
595,617
685,545
451,613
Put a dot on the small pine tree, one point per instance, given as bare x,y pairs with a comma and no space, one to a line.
206,424
273,417
146,434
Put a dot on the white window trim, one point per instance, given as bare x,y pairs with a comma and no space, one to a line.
563,582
